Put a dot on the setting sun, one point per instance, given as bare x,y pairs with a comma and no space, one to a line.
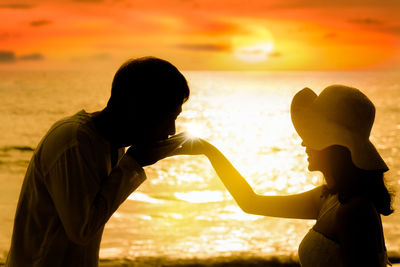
199,35
253,44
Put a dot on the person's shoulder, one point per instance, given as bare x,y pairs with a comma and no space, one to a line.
357,210
359,228
324,196
66,131
72,126
357,204
66,134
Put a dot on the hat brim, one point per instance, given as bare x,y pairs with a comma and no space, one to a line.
318,133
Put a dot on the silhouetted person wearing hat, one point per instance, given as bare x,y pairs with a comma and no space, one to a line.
335,128
79,173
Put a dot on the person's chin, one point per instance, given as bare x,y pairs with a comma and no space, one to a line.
311,168
330,186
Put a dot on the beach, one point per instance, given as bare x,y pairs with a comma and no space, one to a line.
235,261
238,261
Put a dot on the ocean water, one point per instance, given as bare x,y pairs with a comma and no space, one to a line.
183,211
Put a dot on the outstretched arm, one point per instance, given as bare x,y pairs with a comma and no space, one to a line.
302,206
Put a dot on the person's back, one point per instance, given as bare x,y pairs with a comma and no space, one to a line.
321,246
41,237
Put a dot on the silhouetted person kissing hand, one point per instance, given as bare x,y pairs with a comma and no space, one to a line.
79,173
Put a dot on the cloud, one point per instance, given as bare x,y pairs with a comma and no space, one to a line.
330,35
7,35
17,6
204,47
366,21
377,25
10,57
4,36
101,56
39,23
337,3
33,57
88,1
275,54
98,57
7,57
394,29
210,26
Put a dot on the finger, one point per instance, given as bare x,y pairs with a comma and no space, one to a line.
175,152
175,140
182,134
165,150
172,145
186,149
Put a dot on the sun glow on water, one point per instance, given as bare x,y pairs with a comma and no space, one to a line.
139,196
182,209
193,130
205,196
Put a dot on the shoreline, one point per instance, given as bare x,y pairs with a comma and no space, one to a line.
227,261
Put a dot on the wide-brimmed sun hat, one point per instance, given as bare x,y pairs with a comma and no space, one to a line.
339,115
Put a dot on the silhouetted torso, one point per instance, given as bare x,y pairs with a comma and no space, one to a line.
63,207
320,246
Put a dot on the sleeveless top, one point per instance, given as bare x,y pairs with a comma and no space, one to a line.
318,250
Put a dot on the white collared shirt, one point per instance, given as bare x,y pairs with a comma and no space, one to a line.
68,194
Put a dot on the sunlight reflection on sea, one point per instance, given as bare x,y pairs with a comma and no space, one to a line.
183,210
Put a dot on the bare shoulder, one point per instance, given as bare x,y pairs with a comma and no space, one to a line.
358,215
357,208
320,195
316,198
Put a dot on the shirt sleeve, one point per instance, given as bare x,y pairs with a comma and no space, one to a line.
83,200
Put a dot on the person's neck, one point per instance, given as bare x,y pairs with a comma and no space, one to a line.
106,127
347,184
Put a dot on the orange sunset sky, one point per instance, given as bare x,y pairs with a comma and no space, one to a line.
201,34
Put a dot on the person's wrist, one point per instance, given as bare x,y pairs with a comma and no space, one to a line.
129,162
133,153
130,152
207,148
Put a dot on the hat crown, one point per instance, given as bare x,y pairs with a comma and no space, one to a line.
340,115
348,107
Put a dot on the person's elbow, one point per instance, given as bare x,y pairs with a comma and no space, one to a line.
248,208
246,202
